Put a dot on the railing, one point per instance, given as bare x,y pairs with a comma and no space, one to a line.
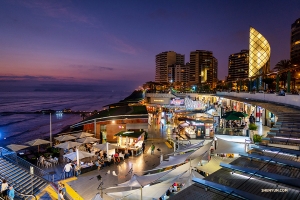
232,131
13,158
16,185
26,165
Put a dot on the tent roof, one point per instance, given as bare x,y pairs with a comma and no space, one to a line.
65,138
37,142
82,154
67,145
138,181
224,146
16,147
153,191
83,135
88,140
103,146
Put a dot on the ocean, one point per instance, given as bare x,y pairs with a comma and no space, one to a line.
19,128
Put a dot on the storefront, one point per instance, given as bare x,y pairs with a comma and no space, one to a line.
132,140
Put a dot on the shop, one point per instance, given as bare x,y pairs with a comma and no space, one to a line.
132,140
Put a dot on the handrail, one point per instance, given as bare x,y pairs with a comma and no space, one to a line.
12,157
15,184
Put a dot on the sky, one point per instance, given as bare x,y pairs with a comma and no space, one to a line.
114,43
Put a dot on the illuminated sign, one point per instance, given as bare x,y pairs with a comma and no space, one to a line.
177,102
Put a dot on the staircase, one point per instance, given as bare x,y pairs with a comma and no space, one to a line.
25,184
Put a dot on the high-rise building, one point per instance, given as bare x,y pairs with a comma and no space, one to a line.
295,42
178,73
165,60
238,65
259,54
203,68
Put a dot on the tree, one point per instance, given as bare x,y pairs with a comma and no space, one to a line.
283,65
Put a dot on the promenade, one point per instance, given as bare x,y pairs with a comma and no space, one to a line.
85,185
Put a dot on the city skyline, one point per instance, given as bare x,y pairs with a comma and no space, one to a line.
95,43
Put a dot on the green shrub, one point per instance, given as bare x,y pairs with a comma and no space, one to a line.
257,138
252,127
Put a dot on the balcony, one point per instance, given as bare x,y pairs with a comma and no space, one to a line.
288,99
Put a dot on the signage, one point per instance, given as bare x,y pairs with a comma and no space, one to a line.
177,102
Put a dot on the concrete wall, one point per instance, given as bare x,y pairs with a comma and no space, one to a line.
293,100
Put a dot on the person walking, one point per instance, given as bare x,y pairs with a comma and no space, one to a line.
11,193
144,146
67,169
4,188
152,149
60,195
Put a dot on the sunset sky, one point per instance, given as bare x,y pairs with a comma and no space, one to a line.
115,42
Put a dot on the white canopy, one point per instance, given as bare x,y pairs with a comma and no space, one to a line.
67,145
37,142
173,160
83,135
201,151
224,146
88,140
188,148
16,147
105,146
187,178
148,193
180,169
213,165
82,154
63,138
141,181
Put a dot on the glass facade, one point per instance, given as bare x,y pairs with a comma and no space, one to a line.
259,54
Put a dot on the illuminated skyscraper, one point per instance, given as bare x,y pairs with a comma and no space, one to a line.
203,68
165,60
259,54
295,42
238,66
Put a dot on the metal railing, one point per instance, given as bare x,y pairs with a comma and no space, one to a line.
15,159
232,131
16,185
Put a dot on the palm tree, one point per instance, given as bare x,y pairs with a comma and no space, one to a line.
283,65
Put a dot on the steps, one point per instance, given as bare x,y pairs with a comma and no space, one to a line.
21,179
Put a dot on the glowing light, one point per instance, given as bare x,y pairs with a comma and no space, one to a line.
259,53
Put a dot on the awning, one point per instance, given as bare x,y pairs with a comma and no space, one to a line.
148,193
224,146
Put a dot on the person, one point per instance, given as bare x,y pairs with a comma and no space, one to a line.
77,170
152,148
60,195
11,193
4,187
63,190
67,170
117,159
175,186
127,154
143,145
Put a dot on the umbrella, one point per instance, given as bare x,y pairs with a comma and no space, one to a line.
238,114
37,142
83,135
105,146
231,117
63,138
81,154
16,147
68,145
88,140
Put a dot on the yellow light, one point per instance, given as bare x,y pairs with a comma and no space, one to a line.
113,122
